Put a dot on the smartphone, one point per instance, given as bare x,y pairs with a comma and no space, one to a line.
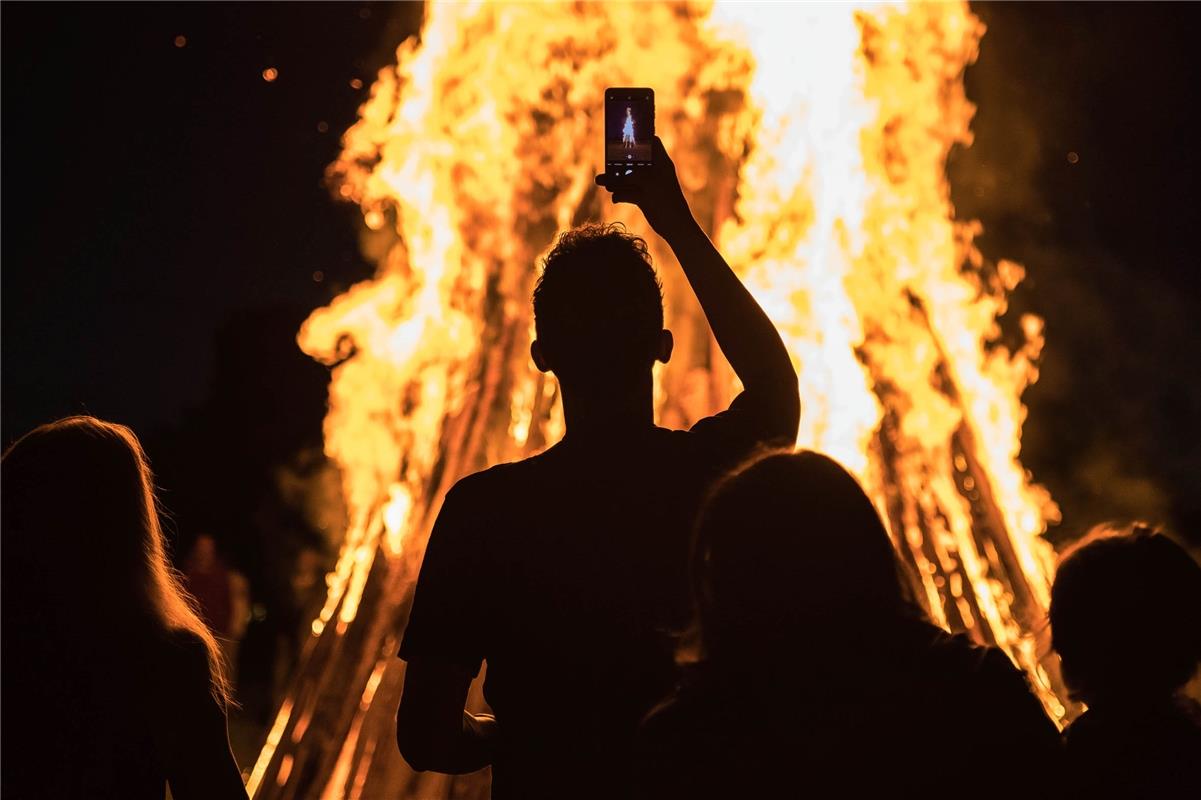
629,129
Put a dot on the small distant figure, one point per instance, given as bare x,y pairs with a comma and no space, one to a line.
627,130
113,686
223,595
812,672
1126,622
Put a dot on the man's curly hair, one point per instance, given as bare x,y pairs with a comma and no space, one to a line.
598,302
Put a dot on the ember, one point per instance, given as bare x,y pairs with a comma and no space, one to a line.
813,143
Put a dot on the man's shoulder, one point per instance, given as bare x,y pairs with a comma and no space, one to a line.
497,479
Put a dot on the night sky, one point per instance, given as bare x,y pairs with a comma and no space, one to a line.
154,192
166,227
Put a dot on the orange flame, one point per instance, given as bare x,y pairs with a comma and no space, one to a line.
812,140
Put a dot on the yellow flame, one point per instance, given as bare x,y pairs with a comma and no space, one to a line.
342,767
273,739
812,140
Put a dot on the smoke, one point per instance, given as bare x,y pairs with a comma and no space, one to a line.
1071,174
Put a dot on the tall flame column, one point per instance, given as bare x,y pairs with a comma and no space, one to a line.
812,142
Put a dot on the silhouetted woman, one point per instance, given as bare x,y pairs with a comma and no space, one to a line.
818,675
1126,621
113,687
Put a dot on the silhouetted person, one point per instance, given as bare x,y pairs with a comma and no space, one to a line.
113,687
1126,622
565,571
814,673
222,595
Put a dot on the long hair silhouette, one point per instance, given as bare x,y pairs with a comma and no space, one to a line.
811,661
790,544
83,538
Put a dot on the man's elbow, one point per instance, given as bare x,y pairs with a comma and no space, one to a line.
414,747
790,416
417,744
783,417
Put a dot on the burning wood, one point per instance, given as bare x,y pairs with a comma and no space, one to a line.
814,140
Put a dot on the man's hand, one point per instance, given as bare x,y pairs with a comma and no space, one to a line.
655,190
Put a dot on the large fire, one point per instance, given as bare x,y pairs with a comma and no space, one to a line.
812,141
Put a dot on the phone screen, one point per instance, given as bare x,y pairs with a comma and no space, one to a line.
629,129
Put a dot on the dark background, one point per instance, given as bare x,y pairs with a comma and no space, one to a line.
1085,170
166,229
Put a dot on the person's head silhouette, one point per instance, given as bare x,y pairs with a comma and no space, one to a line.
790,545
1126,616
598,314
81,532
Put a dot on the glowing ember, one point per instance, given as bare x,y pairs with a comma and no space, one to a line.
812,140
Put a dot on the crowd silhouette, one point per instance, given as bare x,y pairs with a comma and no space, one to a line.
810,659
703,614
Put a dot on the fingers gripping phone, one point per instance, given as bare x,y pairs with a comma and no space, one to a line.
629,129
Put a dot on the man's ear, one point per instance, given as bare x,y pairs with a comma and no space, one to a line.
538,356
664,346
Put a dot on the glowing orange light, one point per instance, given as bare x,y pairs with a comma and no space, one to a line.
270,74
812,140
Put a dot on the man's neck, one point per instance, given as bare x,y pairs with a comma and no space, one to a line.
611,414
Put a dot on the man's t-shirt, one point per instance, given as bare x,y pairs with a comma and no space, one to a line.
567,573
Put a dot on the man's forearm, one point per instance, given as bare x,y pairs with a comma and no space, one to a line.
743,331
456,751
433,731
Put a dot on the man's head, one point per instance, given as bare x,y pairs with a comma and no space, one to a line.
598,309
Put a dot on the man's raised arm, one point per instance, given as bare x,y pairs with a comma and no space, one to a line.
747,338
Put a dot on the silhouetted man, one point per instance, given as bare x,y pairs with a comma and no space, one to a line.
566,572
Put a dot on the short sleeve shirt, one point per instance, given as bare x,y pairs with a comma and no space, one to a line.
567,574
